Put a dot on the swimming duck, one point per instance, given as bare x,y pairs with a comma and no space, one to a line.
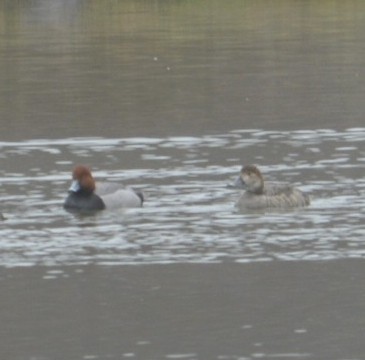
260,194
86,195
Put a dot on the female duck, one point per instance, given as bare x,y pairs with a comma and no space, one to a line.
86,195
261,195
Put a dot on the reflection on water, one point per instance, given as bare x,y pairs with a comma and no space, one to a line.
165,68
189,213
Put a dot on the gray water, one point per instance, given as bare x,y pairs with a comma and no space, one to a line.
189,213
173,98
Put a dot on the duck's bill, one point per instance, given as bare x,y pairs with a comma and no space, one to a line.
75,186
238,184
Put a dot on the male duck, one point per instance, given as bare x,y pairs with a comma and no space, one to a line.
86,195
260,194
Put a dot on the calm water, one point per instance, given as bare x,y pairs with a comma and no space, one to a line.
173,98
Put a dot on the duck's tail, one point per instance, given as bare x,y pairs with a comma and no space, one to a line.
140,195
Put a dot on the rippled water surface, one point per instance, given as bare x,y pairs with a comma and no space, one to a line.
189,213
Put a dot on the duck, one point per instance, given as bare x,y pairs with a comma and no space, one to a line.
85,194
260,194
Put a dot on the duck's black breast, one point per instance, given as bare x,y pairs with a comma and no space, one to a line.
83,202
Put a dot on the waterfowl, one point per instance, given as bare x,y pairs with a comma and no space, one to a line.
87,195
260,194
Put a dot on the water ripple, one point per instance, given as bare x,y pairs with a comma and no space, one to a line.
189,214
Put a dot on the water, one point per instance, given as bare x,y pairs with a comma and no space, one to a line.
173,98
189,214
152,69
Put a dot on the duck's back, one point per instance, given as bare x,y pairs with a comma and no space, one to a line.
116,195
275,195
107,187
124,198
